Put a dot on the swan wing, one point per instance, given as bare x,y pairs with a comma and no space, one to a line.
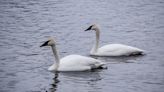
117,50
78,63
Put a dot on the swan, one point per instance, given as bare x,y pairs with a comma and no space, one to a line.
71,62
111,49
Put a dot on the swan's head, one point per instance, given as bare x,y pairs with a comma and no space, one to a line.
50,42
92,27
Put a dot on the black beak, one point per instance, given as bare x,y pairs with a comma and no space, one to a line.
89,28
44,44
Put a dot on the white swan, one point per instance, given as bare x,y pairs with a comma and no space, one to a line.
71,62
111,49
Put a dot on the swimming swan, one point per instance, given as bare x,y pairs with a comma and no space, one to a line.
111,49
71,62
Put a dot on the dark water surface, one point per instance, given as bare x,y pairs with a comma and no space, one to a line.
26,24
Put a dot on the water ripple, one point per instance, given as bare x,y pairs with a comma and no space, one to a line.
25,25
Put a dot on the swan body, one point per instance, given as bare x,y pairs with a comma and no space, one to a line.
71,62
77,63
116,50
111,49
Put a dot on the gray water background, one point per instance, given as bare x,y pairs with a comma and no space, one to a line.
26,24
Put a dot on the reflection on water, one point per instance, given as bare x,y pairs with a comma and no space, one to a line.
89,78
25,24
121,59
55,83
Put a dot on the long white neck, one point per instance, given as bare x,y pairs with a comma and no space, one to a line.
57,60
96,45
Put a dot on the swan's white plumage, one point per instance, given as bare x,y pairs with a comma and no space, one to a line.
117,50
77,63
111,49
71,62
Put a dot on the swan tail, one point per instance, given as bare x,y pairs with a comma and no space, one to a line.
139,52
98,65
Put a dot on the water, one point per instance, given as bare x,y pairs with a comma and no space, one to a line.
26,24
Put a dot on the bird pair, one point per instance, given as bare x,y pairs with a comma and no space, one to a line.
83,63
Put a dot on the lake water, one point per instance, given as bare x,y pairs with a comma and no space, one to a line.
26,24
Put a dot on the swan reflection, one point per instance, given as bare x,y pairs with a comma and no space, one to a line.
89,80
54,85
